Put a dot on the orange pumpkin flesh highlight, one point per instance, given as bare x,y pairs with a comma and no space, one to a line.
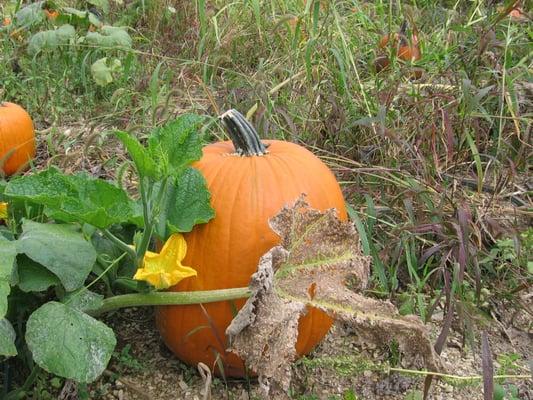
17,138
246,191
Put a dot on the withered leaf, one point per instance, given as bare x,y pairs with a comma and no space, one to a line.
317,256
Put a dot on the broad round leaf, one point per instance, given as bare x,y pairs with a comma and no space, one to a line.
51,39
74,197
33,277
185,204
7,339
68,342
8,252
62,249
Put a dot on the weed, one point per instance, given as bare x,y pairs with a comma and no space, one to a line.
126,361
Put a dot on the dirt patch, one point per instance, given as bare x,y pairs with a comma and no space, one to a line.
339,367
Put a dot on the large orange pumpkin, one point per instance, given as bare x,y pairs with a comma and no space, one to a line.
17,138
250,181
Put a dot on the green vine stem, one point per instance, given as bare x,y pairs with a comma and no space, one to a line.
455,377
148,222
119,243
170,298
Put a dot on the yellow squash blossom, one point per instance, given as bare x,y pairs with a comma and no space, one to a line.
165,269
3,211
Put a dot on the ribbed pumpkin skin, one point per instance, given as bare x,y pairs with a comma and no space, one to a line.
246,192
16,135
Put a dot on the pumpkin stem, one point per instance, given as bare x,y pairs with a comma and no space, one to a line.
243,135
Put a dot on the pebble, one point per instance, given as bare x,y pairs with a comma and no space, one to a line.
182,384
447,388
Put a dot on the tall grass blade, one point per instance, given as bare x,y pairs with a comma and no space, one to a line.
477,161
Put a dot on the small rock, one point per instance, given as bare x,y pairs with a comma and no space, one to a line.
447,388
121,394
182,384
437,316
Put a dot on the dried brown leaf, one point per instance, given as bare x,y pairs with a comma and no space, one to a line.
317,256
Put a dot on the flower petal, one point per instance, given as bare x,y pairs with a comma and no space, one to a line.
3,211
175,247
163,280
165,269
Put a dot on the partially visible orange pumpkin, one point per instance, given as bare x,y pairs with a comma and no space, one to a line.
250,181
407,50
17,138
51,14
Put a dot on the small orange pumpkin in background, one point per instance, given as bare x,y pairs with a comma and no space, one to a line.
17,138
51,14
250,181
407,50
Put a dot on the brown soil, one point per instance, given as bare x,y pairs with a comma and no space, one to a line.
338,368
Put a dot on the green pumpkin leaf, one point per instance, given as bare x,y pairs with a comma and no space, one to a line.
110,37
102,70
185,204
33,277
93,19
7,339
144,163
51,40
75,197
84,300
177,144
62,249
69,343
8,252
30,15
75,12
101,4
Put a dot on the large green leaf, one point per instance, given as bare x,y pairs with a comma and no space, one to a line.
74,12
33,277
62,249
68,342
7,339
110,36
84,300
101,4
30,15
144,163
103,70
177,144
51,40
75,197
8,252
186,203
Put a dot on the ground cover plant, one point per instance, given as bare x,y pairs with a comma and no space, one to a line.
428,133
